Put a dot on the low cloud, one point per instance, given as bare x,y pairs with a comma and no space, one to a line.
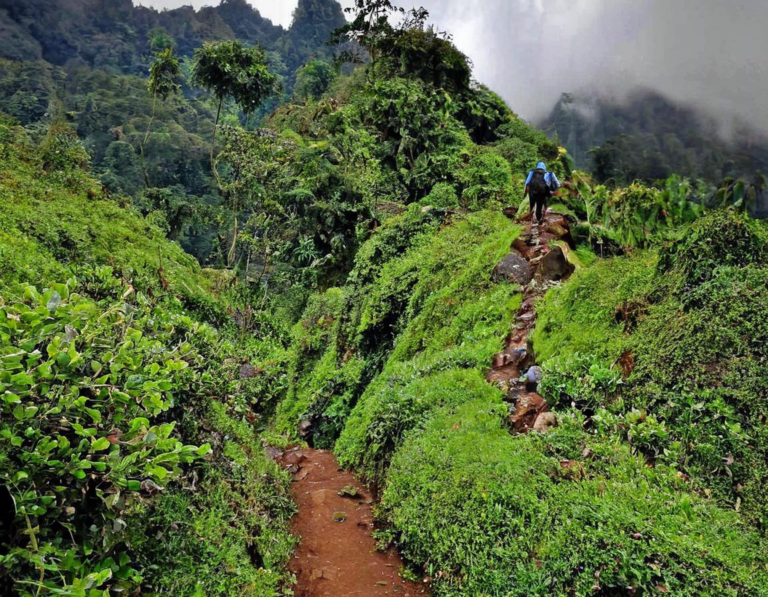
707,52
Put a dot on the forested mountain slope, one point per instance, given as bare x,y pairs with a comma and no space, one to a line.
116,36
648,137
86,61
363,310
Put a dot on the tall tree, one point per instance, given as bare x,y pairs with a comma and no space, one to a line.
164,76
370,26
230,69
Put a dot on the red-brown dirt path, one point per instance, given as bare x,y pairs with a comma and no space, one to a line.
338,559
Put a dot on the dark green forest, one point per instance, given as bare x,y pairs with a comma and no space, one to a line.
648,137
220,239
84,64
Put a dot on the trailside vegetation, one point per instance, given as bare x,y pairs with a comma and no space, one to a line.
360,222
124,447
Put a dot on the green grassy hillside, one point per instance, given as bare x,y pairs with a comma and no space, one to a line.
124,450
359,313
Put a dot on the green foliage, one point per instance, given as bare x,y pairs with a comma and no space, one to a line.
442,196
63,217
181,539
123,439
176,210
404,292
587,316
313,80
634,216
721,238
421,140
487,181
62,152
230,69
685,332
492,514
397,402
84,391
164,75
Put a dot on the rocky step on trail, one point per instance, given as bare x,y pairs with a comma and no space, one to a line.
337,556
537,259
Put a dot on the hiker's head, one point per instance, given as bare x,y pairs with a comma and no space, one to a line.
541,166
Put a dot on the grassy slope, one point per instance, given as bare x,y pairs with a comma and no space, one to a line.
143,298
484,512
687,328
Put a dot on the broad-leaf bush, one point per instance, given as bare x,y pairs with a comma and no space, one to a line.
84,394
125,429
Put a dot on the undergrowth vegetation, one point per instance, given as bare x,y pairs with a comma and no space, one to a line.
669,346
492,514
124,444
391,312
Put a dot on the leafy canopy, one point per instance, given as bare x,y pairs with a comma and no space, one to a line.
164,75
230,69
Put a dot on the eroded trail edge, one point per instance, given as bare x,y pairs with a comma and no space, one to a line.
337,556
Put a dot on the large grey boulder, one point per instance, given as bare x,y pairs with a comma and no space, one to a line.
555,266
513,269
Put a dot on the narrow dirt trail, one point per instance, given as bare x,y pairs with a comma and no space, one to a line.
337,556
536,260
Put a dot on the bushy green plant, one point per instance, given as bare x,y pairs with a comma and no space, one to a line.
84,393
442,196
179,538
492,514
487,181
313,80
721,238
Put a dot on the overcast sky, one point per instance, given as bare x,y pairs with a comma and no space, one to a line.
711,52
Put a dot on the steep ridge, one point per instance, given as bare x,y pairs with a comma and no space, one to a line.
337,554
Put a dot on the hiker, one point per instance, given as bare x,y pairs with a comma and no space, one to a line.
539,187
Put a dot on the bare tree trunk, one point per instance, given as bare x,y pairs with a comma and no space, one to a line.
232,249
213,142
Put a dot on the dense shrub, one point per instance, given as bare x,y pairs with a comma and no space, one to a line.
682,341
487,181
571,513
123,439
396,402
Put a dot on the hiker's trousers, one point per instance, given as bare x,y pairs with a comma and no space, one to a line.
538,205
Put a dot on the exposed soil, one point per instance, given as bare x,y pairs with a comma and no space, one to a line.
535,246
337,556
